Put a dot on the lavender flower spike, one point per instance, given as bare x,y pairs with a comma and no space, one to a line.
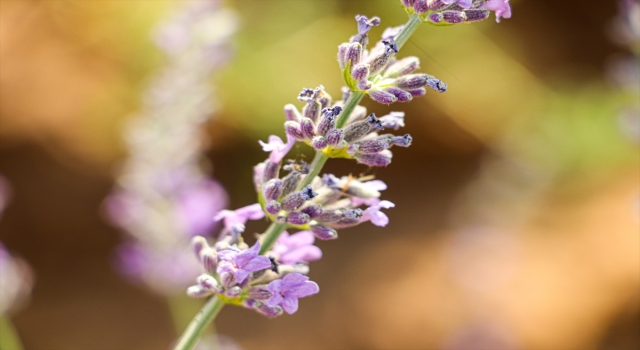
240,265
277,147
288,290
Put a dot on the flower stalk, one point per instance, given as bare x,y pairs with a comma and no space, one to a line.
191,335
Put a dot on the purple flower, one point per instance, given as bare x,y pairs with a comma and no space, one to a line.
297,248
242,263
500,7
287,291
198,204
240,216
374,214
277,147
465,4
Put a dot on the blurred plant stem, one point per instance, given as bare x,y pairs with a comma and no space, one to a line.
213,306
9,339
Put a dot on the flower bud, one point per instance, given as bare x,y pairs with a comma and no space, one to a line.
421,6
207,282
233,292
312,110
476,15
379,159
417,92
272,207
319,143
401,67
259,292
364,85
314,210
378,62
370,146
296,200
408,3
293,128
297,218
209,258
438,5
382,97
453,17
436,17
290,182
361,128
360,72
198,292
272,189
334,137
327,122
291,113
353,53
307,127
331,215
323,232
401,95
227,279
197,244
412,81
263,308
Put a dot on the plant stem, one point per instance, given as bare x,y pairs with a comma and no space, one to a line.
191,335
214,305
9,339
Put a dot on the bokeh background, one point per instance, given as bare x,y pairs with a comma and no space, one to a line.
518,204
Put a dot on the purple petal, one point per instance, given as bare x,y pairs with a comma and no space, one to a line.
302,254
277,147
225,266
300,239
257,263
240,275
304,290
293,279
243,258
290,305
251,212
227,255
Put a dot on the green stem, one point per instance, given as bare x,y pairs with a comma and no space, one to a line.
214,305
191,335
9,339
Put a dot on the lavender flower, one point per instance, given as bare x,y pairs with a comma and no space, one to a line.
450,12
162,197
235,219
296,248
287,291
241,264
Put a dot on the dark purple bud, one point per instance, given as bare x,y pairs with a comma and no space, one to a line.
197,244
454,17
361,128
272,207
291,113
308,193
390,46
378,62
307,127
271,171
297,218
209,259
401,67
293,129
379,159
312,110
412,81
353,54
436,17
403,141
313,210
417,92
360,72
208,282
272,189
436,84
323,232
327,122
476,15
331,215
198,292
319,143
401,95
438,5
335,137
260,292
290,182
382,97
364,85
371,146
421,6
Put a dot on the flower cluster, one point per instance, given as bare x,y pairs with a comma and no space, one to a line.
448,12
385,79
163,198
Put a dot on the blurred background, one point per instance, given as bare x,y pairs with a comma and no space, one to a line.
517,219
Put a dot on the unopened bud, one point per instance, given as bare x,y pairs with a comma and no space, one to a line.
291,113
290,182
401,95
401,67
417,92
198,292
370,146
313,210
209,258
453,17
272,207
379,159
476,15
361,128
293,128
327,122
208,282
335,137
271,171
233,292
438,5
421,6
323,232
272,189
312,110
353,53
382,97
307,127
319,143
297,218
259,292
197,244
360,72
